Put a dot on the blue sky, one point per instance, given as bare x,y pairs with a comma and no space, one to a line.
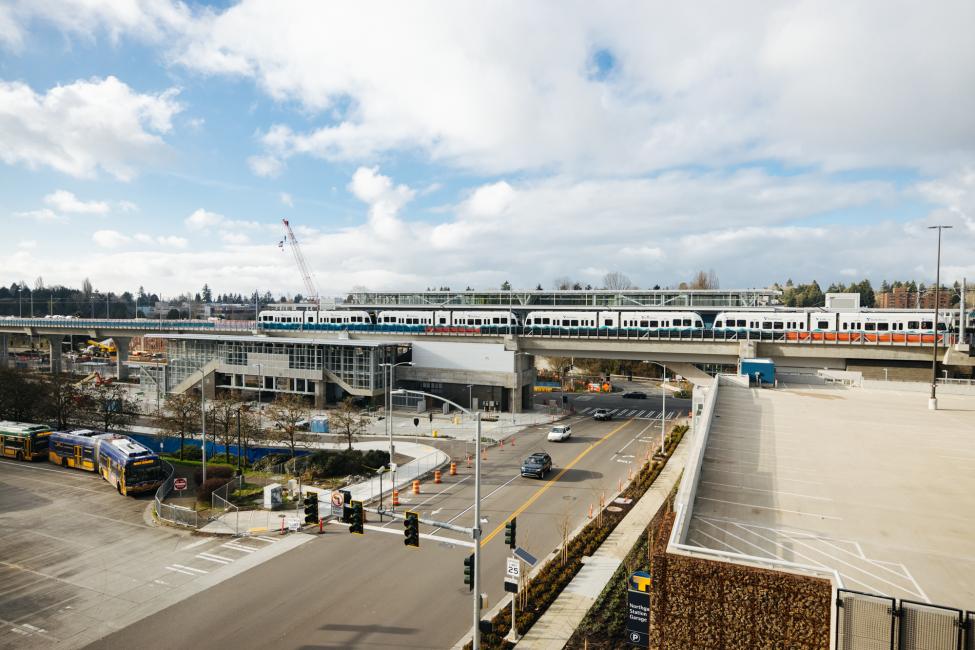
161,143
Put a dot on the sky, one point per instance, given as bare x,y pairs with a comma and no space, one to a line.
159,143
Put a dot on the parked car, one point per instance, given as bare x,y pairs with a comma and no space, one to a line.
602,414
560,433
634,394
538,465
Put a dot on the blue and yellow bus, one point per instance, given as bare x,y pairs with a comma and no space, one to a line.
24,441
132,468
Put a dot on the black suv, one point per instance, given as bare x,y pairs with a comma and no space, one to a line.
635,394
538,464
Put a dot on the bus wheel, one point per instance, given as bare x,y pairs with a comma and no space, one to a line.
20,455
118,486
64,462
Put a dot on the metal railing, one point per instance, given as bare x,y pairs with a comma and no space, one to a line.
141,324
174,514
867,621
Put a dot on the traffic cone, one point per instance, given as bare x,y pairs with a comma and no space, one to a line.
512,442
436,476
453,469
395,497
416,487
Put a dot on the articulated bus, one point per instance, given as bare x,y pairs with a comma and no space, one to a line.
132,468
24,441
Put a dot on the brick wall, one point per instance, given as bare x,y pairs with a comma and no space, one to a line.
700,604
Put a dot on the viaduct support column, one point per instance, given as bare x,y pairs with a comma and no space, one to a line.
4,353
121,356
320,386
54,345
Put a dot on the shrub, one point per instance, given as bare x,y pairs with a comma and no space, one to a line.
190,453
213,472
329,464
204,492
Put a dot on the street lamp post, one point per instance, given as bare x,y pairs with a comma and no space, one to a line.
476,529
388,407
663,408
933,401
260,391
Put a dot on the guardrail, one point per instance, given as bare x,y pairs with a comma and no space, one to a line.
174,514
128,324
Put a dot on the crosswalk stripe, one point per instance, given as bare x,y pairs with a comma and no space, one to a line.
585,411
269,540
641,414
238,547
172,568
189,568
215,558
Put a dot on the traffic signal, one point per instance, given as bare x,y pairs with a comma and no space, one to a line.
510,532
469,572
311,508
412,529
356,518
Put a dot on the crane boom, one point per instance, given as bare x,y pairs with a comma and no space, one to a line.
300,261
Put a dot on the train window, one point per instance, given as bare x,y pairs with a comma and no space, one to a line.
913,324
883,327
545,321
766,325
574,323
779,325
926,325
718,324
823,324
742,323
608,322
477,321
644,323
941,327
870,327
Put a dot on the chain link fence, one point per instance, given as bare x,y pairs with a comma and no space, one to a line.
179,515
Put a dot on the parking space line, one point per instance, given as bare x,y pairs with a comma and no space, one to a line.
173,568
239,547
742,487
794,512
219,559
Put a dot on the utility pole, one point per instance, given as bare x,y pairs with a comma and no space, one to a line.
933,401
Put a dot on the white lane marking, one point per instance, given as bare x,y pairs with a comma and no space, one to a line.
161,582
219,559
198,542
189,568
436,538
31,627
239,547
483,499
269,540
437,511
586,411
752,505
742,487
406,501
719,470
189,573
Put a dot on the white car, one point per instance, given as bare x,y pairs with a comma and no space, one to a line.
560,433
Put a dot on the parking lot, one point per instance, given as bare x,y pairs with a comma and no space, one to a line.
870,484
79,561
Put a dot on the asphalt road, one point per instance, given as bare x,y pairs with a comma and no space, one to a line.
344,590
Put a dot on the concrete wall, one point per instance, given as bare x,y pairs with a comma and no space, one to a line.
473,357
699,603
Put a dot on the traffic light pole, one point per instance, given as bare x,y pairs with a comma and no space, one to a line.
426,522
476,533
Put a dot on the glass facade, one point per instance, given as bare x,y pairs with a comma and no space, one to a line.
583,298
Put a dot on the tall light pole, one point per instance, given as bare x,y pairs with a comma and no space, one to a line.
20,304
933,401
663,408
260,392
476,529
388,407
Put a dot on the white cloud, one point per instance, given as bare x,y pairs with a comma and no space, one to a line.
127,206
172,241
266,166
65,201
384,198
287,200
689,84
27,244
234,238
43,215
11,35
110,238
84,126
202,219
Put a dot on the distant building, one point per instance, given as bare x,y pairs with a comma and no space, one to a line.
904,298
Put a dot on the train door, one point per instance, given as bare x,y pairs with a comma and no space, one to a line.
77,456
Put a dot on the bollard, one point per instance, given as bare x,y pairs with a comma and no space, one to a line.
484,454
453,469
502,444
468,461
512,442
629,473
321,525
282,525
590,510
395,497
436,476
619,485
416,487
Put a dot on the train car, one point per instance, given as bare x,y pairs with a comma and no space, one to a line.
646,321
482,318
24,441
566,320
281,319
761,321
404,320
336,319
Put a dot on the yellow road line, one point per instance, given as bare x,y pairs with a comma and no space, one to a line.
552,481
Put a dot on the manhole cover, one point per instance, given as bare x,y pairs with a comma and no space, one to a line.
614,509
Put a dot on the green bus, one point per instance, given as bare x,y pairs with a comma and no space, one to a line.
24,441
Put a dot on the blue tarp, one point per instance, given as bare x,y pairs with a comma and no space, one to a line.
170,445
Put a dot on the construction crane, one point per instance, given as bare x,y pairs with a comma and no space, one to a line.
300,261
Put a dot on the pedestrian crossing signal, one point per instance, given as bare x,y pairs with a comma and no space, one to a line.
469,572
510,533
412,529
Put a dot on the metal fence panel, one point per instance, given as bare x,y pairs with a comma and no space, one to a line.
864,621
929,627
969,630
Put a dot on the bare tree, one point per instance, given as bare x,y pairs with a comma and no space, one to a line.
224,413
106,405
704,280
181,417
616,281
62,399
348,420
285,412
563,283
561,366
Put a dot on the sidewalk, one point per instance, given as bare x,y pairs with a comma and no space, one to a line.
554,629
424,459
445,426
